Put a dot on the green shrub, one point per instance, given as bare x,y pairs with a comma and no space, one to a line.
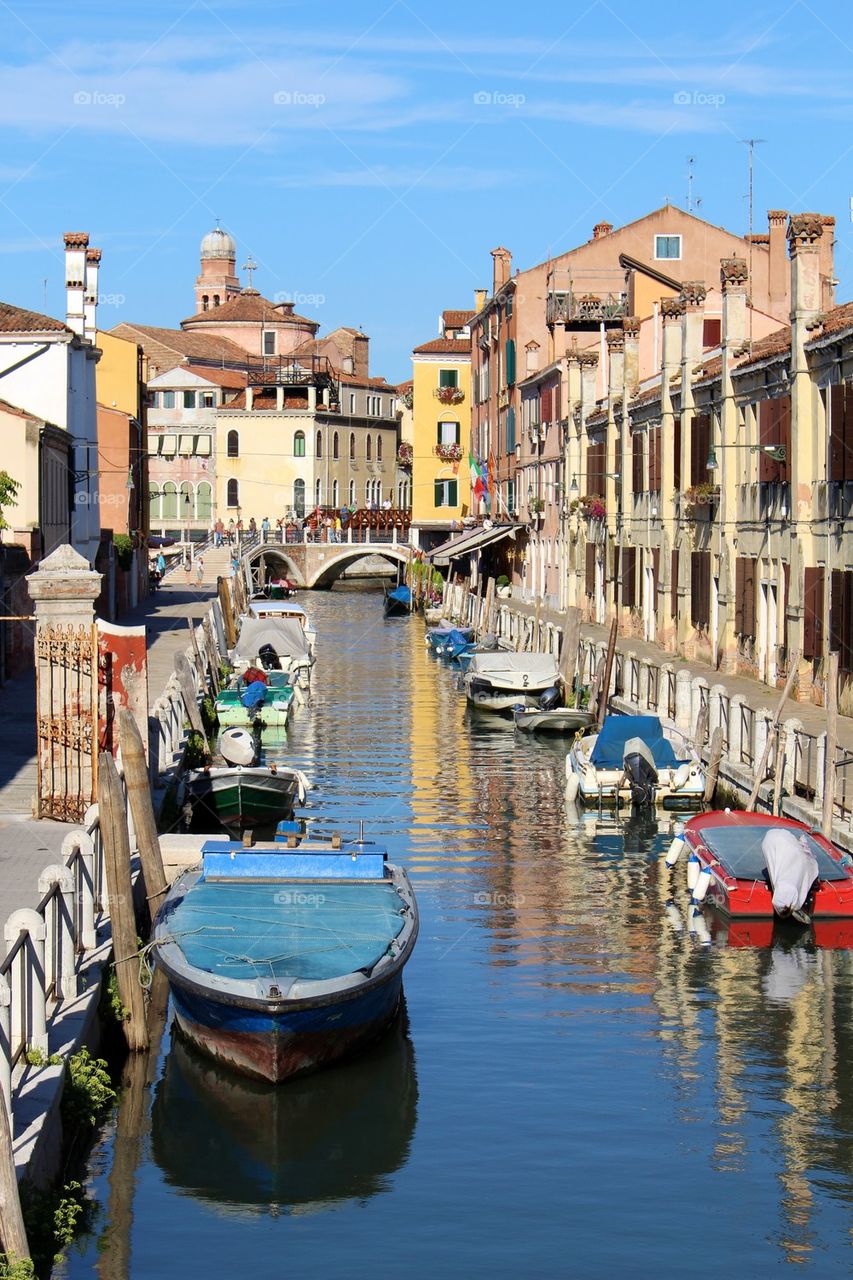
124,550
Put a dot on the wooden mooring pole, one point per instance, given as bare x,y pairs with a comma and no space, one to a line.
114,833
772,733
139,798
13,1233
713,770
604,692
829,774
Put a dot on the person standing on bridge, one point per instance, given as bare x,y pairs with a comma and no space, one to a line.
338,529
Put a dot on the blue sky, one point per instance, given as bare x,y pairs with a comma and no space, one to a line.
369,156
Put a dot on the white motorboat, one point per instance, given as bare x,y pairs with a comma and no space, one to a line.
635,760
501,681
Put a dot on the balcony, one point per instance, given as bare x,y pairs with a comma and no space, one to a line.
580,309
449,395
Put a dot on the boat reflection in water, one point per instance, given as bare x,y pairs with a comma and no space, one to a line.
312,1143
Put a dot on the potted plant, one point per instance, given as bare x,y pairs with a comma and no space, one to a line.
592,506
405,454
503,586
449,395
448,452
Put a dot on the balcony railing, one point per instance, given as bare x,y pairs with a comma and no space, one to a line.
567,307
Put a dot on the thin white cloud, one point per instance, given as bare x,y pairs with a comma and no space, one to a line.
459,178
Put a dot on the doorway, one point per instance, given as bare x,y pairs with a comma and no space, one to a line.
649,604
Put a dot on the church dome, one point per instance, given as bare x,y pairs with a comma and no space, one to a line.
218,244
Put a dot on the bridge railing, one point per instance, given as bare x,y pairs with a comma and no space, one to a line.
362,526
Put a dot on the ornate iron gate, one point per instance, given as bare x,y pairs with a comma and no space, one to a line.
67,718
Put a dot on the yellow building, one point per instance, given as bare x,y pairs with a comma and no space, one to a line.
441,431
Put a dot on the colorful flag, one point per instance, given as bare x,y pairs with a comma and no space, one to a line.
490,476
478,488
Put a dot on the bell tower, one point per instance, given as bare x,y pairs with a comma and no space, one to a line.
217,280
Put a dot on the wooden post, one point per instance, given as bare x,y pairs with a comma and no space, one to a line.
12,1231
772,733
227,615
120,888
183,670
196,651
713,770
779,772
830,776
487,607
701,728
212,661
534,639
139,798
608,671
595,687
569,648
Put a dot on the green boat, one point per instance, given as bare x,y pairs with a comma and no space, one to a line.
244,796
273,712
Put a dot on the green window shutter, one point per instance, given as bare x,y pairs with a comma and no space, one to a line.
458,434
439,493
510,430
452,493
510,362
448,378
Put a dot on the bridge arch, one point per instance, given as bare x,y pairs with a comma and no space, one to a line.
317,564
322,573
273,561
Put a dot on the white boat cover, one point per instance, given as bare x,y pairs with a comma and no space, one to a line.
791,867
540,667
284,634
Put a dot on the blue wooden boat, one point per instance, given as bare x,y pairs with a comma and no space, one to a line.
284,959
446,640
398,603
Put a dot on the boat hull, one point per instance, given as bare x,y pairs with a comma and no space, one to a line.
244,798
278,1045
560,720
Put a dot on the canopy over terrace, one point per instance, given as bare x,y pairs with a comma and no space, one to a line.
470,542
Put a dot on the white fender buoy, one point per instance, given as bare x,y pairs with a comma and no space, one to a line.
693,868
701,886
673,916
674,851
573,784
700,928
680,778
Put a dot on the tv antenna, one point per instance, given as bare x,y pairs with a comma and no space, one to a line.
750,144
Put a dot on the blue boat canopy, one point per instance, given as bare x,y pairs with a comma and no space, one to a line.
402,593
609,750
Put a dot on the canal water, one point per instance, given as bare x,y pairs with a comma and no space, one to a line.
579,1087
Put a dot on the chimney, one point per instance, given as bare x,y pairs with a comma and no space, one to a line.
76,243
502,259
361,355
827,265
90,295
693,294
601,229
778,276
805,232
631,329
480,296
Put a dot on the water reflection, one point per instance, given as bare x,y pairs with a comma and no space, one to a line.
316,1142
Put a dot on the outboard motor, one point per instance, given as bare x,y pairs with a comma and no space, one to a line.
641,772
269,659
489,642
549,700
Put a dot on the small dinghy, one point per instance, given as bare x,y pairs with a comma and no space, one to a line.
398,603
633,760
283,959
238,792
550,718
256,697
446,639
756,865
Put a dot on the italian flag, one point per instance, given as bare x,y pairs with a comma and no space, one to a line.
478,487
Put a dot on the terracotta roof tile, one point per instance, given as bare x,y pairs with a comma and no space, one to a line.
457,319
835,320
646,397
222,377
18,320
248,306
445,347
774,344
18,412
198,346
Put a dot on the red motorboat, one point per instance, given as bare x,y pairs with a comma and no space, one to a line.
728,846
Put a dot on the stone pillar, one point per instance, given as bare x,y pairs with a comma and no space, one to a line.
733,283
683,700
693,295
671,312
64,589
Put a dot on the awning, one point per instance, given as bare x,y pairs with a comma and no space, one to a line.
170,444
186,446
468,542
202,446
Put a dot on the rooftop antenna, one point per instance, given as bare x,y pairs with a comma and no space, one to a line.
44,283
750,144
691,160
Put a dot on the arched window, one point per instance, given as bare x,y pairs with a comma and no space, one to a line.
336,453
378,448
318,494
170,501
352,493
233,498
299,498
154,504
368,492
186,507
216,299
352,446
368,448
318,452
335,494
203,501
233,444
299,446
205,302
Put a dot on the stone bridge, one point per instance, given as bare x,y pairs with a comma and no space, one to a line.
319,564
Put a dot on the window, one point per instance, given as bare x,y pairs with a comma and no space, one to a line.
700,447
335,494
269,342
186,446
813,614
336,446
447,433
368,448
233,494
318,452
204,501
637,462
170,444
668,247
170,501
352,446
448,377
299,444
368,492
509,362
508,305
595,468
352,493
318,494
154,504
168,400
774,428
216,299
700,588
841,618
189,399
207,400
590,569
745,597
233,448
654,459
712,329
205,302
352,402
186,509
510,431
627,575
378,448
299,498
446,493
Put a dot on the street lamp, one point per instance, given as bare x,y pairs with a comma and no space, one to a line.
779,452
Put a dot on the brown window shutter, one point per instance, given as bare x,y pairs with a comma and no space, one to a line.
628,576
700,443
739,595
774,428
813,614
637,462
711,332
837,449
590,568
700,588
656,571
750,569
786,574
673,583
656,438
847,444
677,455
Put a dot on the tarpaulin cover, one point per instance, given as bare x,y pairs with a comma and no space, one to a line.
402,593
284,634
738,848
314,930
609,750
791,866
